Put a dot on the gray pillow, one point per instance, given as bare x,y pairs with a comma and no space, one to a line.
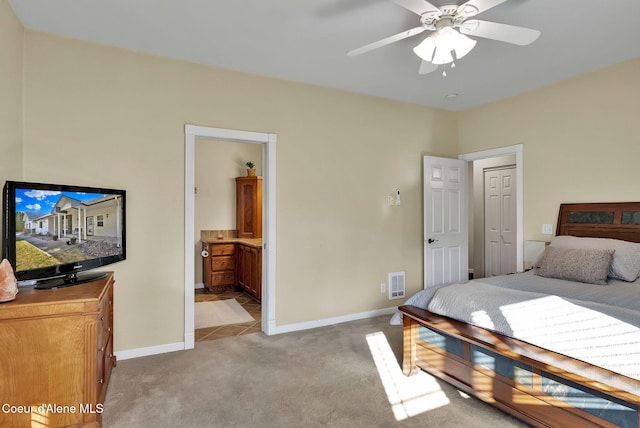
626,259
575,264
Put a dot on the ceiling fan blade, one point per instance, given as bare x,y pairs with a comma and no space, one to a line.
427,67
417,6
474,7
386,41
501,32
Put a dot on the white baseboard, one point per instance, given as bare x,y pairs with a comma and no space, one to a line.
306,325
149,350
288,328
199,285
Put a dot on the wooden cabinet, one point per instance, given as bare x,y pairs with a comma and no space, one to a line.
220,267
56,349
250,269
249,207
233,264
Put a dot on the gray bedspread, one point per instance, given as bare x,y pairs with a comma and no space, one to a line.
597,324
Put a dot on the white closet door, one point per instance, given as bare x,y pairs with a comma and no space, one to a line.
500,221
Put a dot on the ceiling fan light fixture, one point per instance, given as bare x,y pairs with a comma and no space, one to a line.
440,45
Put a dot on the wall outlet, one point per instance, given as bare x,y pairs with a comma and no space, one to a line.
391,199
383,287
547,229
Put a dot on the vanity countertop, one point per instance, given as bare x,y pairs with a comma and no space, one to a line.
252,242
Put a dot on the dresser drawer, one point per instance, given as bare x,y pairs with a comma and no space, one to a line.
105,364
104,318
223,278
223,263
222,249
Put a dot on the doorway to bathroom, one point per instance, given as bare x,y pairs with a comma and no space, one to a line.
225,306
267,143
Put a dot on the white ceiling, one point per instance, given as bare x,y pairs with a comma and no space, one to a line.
306,41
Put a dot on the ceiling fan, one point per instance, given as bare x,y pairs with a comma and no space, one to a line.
451,25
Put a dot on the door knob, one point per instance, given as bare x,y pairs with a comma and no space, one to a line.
431,241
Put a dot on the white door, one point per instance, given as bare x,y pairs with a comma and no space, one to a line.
90,225
500,221
446,240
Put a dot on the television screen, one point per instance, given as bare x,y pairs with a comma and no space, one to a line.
53,231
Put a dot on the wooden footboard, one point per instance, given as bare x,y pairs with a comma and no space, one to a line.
501,371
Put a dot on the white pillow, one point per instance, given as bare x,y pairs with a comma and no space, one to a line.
626,259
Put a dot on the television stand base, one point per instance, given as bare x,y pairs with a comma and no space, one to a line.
68,280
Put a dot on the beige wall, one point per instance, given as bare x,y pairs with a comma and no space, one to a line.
581,140
11,42
104,116
109,117
217,164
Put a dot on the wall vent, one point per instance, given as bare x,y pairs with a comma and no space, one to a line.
396,285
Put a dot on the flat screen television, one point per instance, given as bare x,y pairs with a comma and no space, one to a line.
53,232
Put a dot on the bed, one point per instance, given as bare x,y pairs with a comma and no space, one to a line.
558,346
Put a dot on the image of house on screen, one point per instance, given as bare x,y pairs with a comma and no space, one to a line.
79,220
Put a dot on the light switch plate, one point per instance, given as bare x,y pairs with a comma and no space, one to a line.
547,229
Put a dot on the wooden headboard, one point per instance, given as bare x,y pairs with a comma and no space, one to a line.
618,220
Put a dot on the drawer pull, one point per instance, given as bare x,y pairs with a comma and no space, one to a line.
101,381
102,349
102,318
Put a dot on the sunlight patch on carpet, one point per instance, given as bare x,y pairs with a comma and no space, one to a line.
408,396
220,312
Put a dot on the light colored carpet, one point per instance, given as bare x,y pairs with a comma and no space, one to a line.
220,312
341,376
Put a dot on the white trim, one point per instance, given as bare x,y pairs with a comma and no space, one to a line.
149,350
199,285
189,228
518,151
269,220
307,325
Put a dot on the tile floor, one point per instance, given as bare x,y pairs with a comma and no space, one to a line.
248,303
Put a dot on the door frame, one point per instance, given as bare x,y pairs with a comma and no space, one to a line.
268,141
516,149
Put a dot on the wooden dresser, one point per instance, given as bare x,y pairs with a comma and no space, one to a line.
56,355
